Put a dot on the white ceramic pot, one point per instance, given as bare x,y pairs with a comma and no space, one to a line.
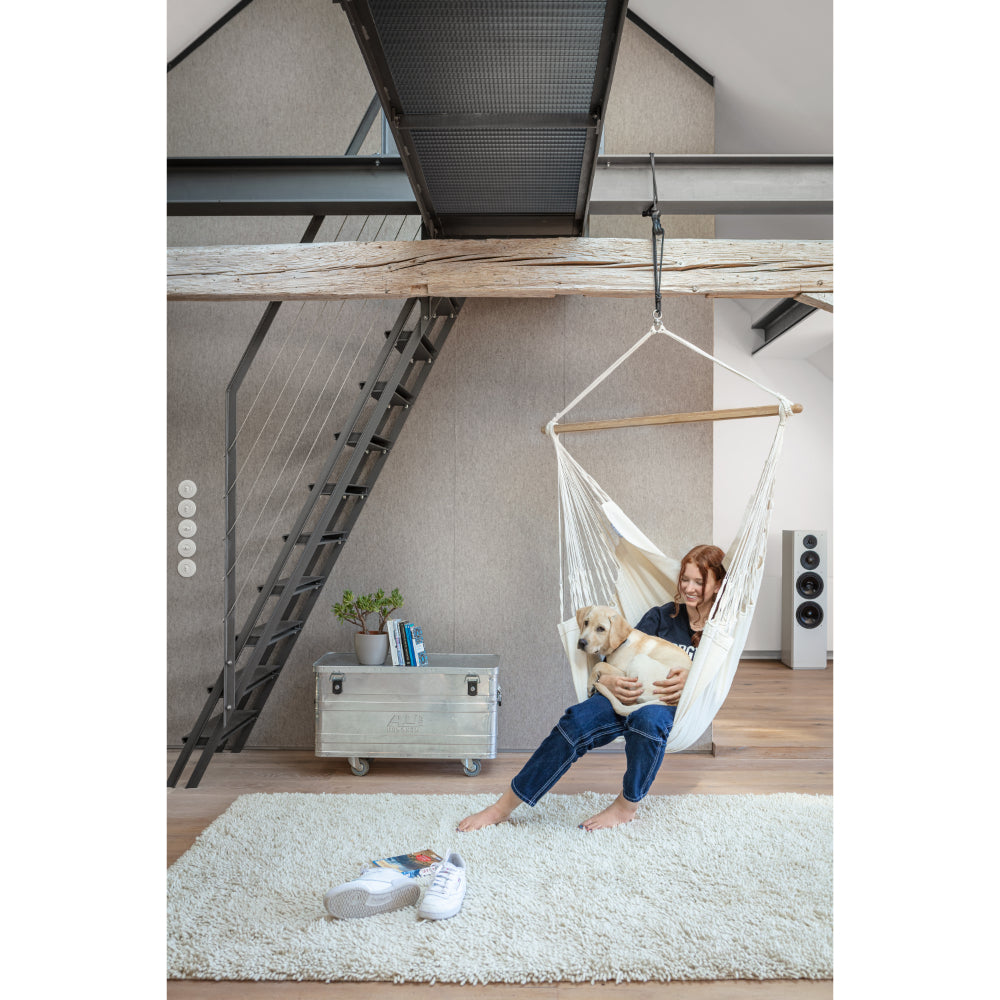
371,648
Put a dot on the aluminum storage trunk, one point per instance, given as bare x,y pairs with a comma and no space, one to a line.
446,709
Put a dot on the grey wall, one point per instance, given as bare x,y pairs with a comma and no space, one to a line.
463,518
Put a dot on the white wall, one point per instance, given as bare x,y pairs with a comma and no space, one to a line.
803,495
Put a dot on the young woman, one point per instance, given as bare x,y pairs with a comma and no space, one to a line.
594,723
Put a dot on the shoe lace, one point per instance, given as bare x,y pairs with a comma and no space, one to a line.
445,875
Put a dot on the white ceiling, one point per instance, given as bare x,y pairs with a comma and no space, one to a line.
773,66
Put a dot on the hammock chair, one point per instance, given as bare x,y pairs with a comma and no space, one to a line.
606,559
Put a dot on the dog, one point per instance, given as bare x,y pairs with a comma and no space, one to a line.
628,653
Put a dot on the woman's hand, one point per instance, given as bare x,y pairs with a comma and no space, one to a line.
626,689
669,691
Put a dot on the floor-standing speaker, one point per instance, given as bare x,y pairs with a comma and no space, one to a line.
804,593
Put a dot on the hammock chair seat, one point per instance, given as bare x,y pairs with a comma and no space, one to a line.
606,559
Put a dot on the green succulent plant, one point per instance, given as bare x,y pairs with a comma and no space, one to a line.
357,610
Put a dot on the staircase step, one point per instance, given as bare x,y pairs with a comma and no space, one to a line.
260,676
377,443
284,629
355,490
237,720
400,397
306,583
328,538
424,351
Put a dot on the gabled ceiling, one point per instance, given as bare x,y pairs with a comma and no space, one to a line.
772,61
772,64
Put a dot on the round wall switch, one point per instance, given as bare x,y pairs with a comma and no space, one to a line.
187,508
186,567
187,528
186,547
187,489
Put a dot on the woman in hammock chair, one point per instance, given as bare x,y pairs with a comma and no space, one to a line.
594,722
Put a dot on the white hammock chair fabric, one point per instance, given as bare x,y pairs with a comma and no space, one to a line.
606,559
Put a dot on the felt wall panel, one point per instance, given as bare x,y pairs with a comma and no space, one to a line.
463,517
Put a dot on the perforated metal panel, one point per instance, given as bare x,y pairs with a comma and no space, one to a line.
519,56
495,105
498,171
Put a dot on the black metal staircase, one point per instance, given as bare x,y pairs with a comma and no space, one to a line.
257,653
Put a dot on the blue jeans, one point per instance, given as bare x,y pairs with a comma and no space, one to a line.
594,723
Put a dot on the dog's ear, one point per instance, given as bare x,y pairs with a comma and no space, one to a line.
581,617
620,630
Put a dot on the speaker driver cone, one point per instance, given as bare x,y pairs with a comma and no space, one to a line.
809,585
809,560
809,614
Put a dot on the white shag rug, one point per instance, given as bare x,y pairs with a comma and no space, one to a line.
698,887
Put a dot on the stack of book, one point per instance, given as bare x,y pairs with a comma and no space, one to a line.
406,643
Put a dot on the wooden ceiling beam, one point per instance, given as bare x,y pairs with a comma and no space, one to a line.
499,268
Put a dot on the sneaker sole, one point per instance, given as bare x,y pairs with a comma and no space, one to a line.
360,903
440,916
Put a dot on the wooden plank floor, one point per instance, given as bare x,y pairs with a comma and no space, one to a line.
774,734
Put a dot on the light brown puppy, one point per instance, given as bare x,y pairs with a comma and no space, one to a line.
628,653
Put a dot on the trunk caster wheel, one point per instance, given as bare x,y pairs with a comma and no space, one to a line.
359,765
471,767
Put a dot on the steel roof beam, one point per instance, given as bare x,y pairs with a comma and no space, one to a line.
715,184
696,184
282,185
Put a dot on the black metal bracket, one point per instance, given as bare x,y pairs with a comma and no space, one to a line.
653,212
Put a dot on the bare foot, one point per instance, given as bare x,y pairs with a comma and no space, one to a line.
620,811
491,815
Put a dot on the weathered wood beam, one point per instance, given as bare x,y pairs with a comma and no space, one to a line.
500,268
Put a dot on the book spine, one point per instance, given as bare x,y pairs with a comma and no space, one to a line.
399,642
408,630
390,627
404,628
419,651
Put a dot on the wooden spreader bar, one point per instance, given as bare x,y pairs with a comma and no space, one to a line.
738,413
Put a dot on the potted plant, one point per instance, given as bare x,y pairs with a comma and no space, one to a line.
370,645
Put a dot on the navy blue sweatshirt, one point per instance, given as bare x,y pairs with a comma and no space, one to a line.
657,621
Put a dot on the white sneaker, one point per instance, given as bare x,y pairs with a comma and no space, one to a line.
444,895
376,890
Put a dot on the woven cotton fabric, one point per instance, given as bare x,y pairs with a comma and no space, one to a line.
606,559
701,887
